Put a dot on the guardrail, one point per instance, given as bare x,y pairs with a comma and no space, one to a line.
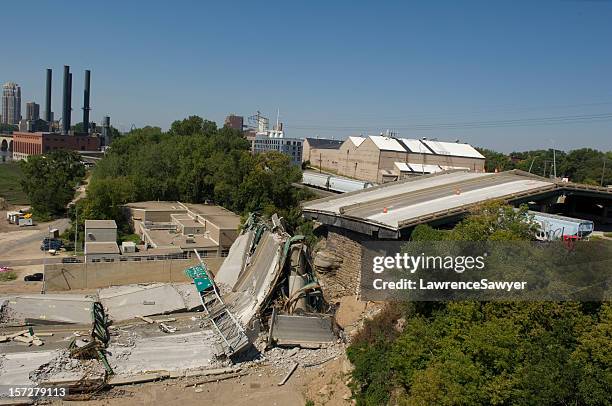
140,258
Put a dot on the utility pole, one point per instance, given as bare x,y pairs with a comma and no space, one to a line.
603,171
76,227
531,166
553,169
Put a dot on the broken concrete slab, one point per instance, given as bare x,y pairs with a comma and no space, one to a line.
19,333
256,282
118,380
130,301
146,319
304,331
234,262
52,308
174,352
210,372
217,378
22,339
17,402
15,368
288,375
189,294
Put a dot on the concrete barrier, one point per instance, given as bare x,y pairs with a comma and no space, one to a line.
90,275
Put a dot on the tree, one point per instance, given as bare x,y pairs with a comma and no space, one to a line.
149,164
492,221
49,181
496,160
8,128
484,353
193,125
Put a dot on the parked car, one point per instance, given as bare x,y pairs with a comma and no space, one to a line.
5,269
34,277
51,244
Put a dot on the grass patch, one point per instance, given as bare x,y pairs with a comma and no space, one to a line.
135,238
609,235
10,183
7,276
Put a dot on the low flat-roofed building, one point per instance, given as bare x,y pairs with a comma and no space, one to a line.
101,251
100,231
175,227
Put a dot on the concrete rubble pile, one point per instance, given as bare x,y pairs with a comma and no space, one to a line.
264,284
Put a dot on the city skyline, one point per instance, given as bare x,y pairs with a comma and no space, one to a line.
506,76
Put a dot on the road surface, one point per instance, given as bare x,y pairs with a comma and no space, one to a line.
24,243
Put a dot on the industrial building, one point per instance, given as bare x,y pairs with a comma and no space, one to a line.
101,240
383,159
11,103
31,141
168,228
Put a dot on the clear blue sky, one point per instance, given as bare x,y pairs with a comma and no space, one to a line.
523,75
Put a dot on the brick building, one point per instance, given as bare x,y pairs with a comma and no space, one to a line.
234,121
36,143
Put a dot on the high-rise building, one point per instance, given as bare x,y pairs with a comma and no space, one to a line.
235,122
11,103
32,111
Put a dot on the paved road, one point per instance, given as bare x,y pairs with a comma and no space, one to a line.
33,261
12,244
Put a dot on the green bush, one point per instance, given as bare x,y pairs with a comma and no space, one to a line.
7,276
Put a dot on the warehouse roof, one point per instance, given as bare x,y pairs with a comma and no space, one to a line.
410,167
356,140
453,148
387,143
388,208
323,143
425,168
415,146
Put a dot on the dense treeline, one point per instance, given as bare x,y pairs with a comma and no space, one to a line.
49,181
484,353
193,162
583,165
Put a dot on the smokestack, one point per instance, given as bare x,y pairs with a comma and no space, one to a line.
48,97
69,100
66,106
86,102
106,135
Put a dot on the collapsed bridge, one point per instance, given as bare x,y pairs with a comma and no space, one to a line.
391,210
